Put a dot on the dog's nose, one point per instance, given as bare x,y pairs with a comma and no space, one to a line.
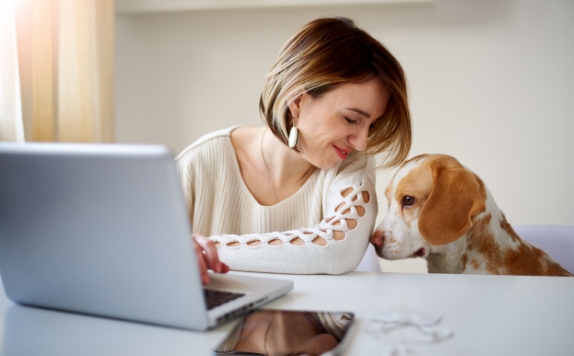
420,252
377,238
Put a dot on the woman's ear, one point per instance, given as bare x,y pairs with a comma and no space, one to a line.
294,104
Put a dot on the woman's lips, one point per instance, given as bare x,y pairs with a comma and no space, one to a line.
341,152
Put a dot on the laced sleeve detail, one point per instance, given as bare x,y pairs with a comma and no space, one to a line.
335,245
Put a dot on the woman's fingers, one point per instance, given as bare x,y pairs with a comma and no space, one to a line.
202,266
210,252
208,257
224,268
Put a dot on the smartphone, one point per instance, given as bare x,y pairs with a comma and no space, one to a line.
288,333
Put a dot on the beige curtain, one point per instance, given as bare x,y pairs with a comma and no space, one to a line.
10,102
66,61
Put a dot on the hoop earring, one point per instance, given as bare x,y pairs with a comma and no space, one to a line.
293,136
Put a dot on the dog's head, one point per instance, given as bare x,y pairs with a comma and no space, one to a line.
433,200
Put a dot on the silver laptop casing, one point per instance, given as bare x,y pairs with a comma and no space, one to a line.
103,229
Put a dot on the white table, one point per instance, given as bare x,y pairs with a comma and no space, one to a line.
489,315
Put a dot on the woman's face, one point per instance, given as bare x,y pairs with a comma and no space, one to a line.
337,123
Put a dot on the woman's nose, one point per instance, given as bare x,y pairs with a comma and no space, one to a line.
359,139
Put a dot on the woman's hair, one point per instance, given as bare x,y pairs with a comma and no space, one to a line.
332,51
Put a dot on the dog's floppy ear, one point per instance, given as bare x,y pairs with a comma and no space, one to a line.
456,198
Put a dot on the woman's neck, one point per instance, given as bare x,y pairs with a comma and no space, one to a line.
271,171
286,167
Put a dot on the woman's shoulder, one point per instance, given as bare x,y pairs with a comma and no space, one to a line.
213,140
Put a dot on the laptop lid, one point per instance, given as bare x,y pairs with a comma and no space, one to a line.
103,229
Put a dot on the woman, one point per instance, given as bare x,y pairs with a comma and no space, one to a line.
298,194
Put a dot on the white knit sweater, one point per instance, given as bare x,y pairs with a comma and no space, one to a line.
221,207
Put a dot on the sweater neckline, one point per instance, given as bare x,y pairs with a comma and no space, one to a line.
233,157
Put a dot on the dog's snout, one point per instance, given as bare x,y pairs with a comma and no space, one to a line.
377,238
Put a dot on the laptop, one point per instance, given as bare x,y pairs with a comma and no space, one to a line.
102,229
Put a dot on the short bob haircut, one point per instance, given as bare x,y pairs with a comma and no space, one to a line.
328,52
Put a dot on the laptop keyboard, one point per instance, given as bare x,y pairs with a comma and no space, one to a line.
214,298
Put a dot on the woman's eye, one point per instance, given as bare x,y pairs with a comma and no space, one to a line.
408,201
351,121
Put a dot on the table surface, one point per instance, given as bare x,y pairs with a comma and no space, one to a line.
488,315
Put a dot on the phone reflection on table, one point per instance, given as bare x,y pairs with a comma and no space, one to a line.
283,333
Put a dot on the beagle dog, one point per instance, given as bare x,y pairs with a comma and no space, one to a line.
443,212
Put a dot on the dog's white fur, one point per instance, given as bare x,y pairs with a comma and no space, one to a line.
442,211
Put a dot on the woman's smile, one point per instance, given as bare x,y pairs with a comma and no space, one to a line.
341,152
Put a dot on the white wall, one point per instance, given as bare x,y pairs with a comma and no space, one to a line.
490,83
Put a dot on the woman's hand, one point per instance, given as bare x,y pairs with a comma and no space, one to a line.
207,257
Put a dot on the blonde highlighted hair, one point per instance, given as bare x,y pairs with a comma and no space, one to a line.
328,52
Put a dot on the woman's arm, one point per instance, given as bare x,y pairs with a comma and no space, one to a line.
335,245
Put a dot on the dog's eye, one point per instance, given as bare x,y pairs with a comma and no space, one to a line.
408,201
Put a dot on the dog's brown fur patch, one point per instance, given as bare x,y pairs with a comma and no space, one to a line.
474,263
418,184
528,260
481,239
509,230
524,260
454,189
